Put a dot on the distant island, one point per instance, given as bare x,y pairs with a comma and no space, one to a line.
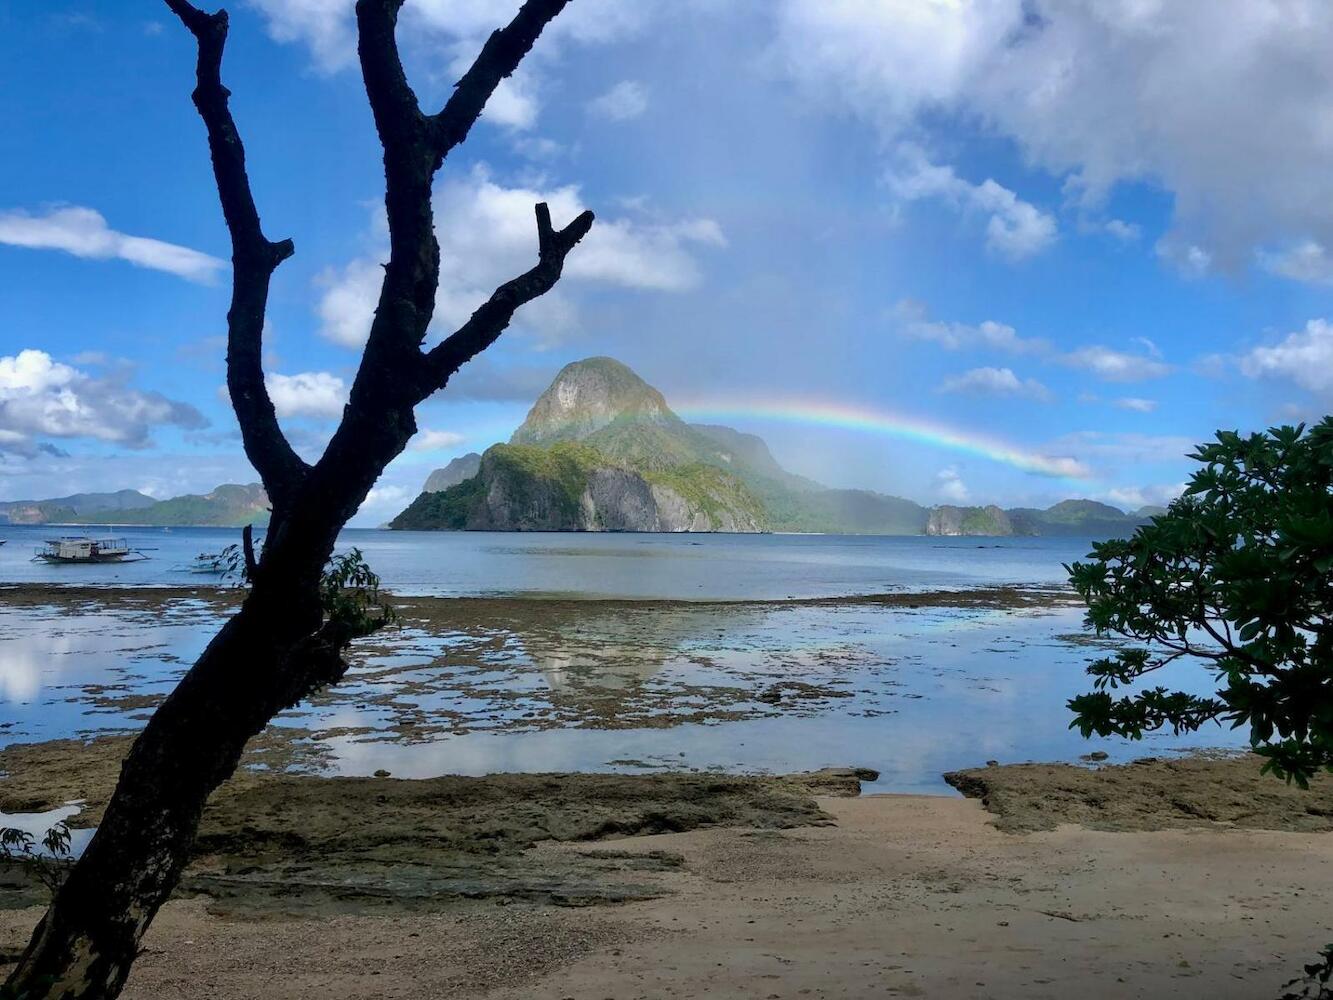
601,450
229,506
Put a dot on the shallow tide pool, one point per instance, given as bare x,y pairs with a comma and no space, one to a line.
473,687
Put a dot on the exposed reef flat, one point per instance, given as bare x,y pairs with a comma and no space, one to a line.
300,844
1149,794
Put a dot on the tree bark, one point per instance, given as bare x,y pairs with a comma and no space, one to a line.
280,646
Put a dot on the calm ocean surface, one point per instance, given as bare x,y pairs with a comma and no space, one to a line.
697,567
533,686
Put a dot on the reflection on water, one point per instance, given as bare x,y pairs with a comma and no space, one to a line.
474,687
82,665
37,824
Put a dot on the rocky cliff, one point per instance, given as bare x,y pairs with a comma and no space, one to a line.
569,486
459,469
601,450
949,520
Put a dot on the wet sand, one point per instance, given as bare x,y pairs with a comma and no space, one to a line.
745,887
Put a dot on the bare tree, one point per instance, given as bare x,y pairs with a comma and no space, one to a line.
284,643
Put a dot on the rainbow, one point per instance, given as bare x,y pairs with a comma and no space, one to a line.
843,416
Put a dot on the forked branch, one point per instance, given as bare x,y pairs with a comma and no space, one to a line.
499,57
485,325
254,258
415,146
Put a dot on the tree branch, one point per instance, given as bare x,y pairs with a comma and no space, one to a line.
254,259
498,59
415,147
490,320
398,117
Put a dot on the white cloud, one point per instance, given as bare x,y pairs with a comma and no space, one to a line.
1306,261
950,486
1189,259
1014,229
995,382
513,103
488,235
1134,497
348,303
1304,357
1129,449
44,398
626,100
1104,92
429,440
1115,366
913,321
307,394
1064,466
1137,404
1125,232
83,232
327,26
383,502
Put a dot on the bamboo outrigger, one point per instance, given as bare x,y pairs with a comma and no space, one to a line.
80,549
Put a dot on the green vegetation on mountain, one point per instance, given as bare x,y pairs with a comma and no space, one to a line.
1075,517
228,506
558,487
651,471
65,510
710,490
950,520
601,450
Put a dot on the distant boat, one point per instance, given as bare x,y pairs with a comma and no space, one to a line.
80,549
209,563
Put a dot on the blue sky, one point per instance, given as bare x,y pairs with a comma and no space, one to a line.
1087,232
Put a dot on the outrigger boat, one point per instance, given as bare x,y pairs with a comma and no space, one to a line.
209,563
79,549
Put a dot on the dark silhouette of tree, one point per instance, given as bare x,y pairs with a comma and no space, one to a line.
288,638
1237,575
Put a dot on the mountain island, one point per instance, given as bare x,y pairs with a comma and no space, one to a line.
230,505
601,450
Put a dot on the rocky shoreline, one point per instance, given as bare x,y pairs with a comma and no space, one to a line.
558,885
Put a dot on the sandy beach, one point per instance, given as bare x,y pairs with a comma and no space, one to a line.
1181,878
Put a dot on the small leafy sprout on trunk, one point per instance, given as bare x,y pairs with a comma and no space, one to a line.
49,858
349,591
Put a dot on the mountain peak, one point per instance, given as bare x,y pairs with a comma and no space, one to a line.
587,396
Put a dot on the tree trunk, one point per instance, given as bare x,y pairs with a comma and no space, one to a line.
279,647
266,658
